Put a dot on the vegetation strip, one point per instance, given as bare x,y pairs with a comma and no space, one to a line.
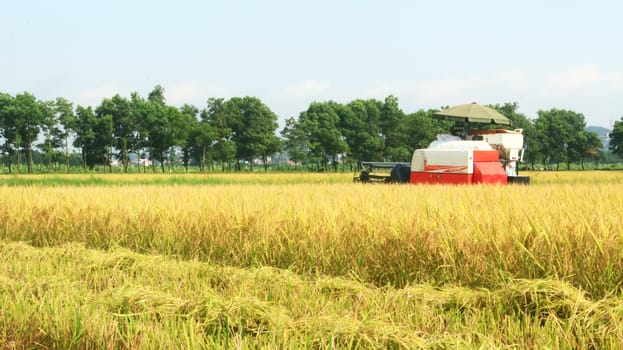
134,134
80,180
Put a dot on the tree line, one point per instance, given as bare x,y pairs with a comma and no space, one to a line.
243,130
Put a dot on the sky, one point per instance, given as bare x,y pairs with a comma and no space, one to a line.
541,54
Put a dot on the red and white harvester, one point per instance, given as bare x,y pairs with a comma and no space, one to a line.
482,156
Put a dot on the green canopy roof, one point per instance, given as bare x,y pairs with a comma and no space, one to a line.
473,113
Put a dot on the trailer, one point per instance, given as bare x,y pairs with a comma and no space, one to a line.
383,172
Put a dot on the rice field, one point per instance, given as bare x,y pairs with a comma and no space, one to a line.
309,261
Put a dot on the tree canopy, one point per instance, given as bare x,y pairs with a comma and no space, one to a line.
616,138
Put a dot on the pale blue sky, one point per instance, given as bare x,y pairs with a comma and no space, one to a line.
541,54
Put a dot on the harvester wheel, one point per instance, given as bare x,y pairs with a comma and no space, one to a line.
364,176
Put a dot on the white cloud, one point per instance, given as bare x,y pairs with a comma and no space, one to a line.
586,88
455,90
176,94
187,92
446,89
310,88
94,96
513,75
575,77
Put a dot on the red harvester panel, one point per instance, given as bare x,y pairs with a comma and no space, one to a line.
421,177
489,173
487,156
457,171
487,168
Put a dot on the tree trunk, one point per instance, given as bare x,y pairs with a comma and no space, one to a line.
325,162
126,156
28,156
124,151
171,161
153,164
110,160
50,164
18,159
203,159
84,158
10,162
67,152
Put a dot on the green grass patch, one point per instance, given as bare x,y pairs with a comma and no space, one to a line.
74,180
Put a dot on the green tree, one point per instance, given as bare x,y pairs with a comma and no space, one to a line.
125,131
8,129
100,151
421,129
141,112
190,126
220,123
156,95
159,131
52,134
28,114
201,138
394,131
320,124
616,138
295,141
360,127
94,137
181,125
253,126
84,128
68,123
589,146
165,128
561,136
550,132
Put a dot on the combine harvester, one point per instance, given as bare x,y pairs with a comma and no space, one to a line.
485,156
